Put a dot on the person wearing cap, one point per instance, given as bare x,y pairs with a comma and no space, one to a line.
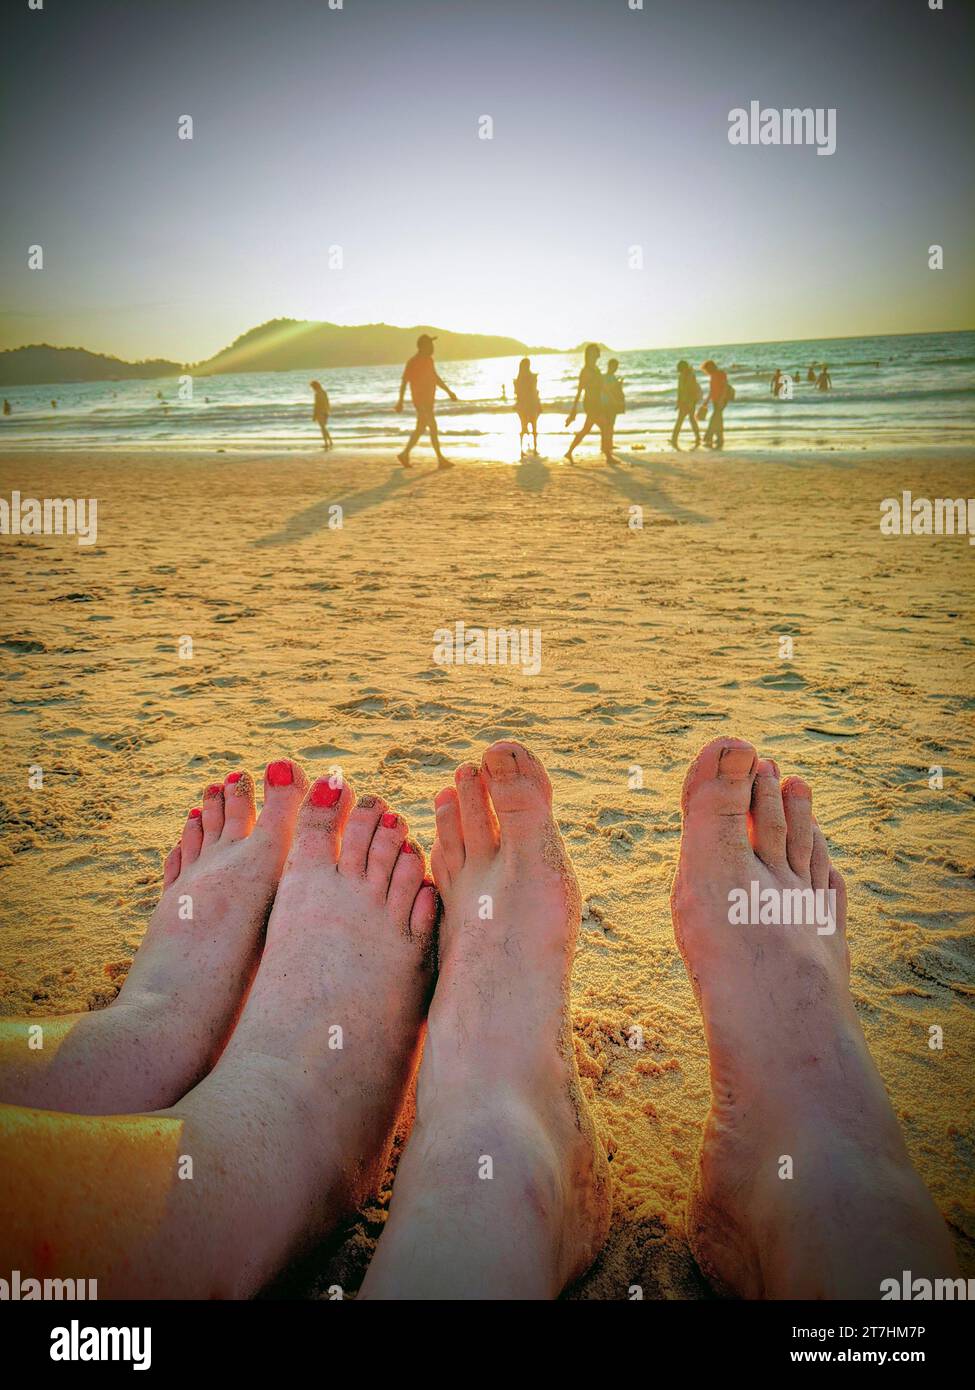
423,380
719,394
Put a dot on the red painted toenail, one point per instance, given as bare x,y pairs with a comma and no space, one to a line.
214,789
324,794
233,777
195,812
389,820
280,774
407,848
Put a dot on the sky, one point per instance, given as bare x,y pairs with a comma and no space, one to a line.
316,127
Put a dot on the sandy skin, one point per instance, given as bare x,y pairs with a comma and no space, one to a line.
503,1189
791,1076
291,1130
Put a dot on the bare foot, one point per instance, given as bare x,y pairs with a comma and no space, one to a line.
503,1189
189,977
291,1130
804,1187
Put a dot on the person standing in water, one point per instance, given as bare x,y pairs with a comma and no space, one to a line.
614,403
421,375
720,392
688,396
527,404
321,411
6,406
590,388
776,386
825,381
811,374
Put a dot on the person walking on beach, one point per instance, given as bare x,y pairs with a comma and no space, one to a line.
590,389
825,382
688,395
321,411
720,392
527,404
614,403
421,375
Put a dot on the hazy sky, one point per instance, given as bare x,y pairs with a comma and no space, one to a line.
358,127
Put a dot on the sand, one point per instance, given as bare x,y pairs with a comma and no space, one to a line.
317,643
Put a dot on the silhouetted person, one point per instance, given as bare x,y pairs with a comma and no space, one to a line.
590,388
423,381
321,410
825,381
777,383
720,392
6,407
527,404
54,405
688,395
811,374
614,403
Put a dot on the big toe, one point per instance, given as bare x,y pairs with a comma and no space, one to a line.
321,821
717,793
284,790
519,787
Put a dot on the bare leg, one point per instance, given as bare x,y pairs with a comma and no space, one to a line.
804,1189
587,425
291,1130
435,441
502,1191
190,975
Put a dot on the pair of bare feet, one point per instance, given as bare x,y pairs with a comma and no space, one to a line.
279,1062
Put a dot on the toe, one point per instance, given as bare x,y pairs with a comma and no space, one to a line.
423,918
285,785
321,820
191,840
404,883
478,821
518,785
212,814
171,866
447,856
797,800
718,792
384,850
239,806
819,866
766,821
359,830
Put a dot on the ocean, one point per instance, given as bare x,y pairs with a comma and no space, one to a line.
897,392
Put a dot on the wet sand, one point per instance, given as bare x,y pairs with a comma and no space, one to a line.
316,642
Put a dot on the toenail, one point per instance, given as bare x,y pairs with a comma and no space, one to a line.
429,883
214,789
280,774
390,820
324,794
407,848
233,777
195,812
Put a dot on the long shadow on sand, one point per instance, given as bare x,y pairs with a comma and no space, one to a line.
315,518
647,493
532,474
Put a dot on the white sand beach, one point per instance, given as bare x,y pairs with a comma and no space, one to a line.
316,641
